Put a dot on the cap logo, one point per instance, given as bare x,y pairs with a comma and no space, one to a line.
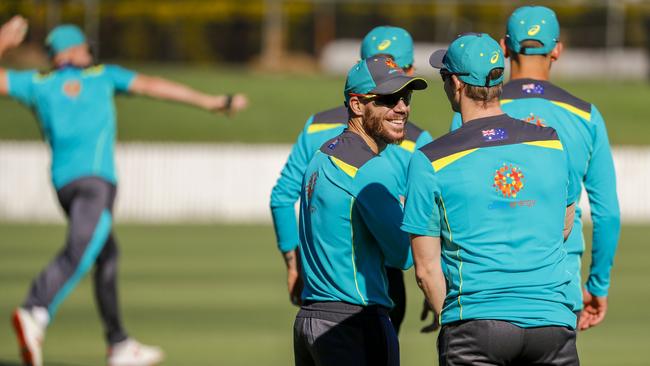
390,63
494,58
533,30
384,44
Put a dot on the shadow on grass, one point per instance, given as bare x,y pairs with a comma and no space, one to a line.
13,363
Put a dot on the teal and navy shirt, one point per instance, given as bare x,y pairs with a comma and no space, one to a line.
495,191
76,112
350,215
583,133
319,128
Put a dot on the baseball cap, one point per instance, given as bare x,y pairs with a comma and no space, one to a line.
471,56
387,40
379,75
537,23
64,37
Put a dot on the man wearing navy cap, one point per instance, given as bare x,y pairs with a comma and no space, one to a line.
320,127
532,43
74,105
494,201
350,213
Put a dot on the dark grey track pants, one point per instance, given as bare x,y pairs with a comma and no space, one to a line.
88,204
340,334
496,342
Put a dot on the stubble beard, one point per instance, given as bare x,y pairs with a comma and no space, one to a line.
375,128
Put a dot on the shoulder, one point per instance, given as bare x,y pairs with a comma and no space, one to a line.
484,133
327,120
348,151
528,88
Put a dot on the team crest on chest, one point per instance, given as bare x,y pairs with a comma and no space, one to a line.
72,88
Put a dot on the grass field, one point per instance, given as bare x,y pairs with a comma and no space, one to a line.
215,295
281,103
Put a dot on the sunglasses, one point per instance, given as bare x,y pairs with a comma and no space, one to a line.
388,100
446,74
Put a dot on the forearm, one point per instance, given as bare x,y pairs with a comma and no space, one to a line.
428,270
606,232
159,88
291,260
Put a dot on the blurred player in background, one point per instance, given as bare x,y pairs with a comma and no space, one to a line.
320,127
74,104
492,200
532,44
350,213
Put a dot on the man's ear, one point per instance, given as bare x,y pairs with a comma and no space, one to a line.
355,106
458,85
557,51
504,48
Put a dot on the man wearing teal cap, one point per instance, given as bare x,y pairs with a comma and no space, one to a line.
350,213
532,44
494,201
74,106
320,127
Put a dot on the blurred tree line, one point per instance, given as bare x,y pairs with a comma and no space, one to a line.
239,31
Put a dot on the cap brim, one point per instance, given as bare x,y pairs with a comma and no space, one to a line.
436,59
398,83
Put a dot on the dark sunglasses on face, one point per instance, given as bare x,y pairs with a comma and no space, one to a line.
446,74
389,100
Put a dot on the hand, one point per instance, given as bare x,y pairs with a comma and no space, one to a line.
13,32
228,104
294,285
594,310
426,309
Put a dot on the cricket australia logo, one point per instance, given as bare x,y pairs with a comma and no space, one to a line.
508,180
310,186
72,88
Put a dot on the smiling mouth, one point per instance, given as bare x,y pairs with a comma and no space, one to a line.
396,122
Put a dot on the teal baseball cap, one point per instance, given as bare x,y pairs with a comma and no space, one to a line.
387,40
379,75
537,23
64,37
471,56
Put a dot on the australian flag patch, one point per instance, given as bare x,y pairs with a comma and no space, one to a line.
494,134
532,88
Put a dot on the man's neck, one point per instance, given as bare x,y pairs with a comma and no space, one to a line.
536,69
355,125
471,110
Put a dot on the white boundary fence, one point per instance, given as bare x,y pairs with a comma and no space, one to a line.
192,183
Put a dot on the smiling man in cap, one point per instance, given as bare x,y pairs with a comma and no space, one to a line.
532,43
350,214
74,104
494,201
392,41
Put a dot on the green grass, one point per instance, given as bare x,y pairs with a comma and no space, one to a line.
215,295
281,103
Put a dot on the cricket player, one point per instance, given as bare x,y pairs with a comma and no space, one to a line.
494,200
532,44
350,213
322,126
74,105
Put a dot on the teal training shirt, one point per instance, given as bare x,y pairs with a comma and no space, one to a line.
76,112
350,215
319,128
583,133
495,191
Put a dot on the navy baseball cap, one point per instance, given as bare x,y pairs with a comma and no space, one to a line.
379,75
471,56
536,23
387,40
64,37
